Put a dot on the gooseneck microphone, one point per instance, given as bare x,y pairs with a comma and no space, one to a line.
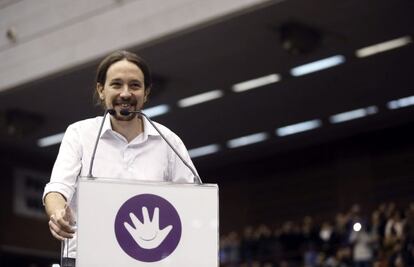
112,112
125,112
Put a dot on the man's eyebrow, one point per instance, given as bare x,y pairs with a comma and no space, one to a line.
121,80
136,81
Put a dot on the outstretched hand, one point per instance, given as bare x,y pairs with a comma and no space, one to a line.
148,234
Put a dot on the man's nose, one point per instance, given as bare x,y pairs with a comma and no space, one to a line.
125,91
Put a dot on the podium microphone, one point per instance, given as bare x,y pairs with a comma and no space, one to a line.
125,112
112,112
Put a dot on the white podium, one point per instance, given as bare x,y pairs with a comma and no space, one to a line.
130,223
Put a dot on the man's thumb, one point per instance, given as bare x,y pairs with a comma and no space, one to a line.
69,215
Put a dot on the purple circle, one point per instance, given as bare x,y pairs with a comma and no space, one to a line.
168,215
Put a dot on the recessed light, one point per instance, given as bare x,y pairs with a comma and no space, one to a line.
317,65
200,98
298,127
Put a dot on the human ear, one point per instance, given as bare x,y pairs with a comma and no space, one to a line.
146,93
100,91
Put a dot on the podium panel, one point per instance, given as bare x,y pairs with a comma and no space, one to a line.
130,223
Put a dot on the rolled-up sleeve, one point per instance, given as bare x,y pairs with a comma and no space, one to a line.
67,166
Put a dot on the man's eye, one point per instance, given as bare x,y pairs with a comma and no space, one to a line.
135,85
116,84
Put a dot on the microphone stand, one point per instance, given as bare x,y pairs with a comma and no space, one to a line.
64,243
125,112
110,111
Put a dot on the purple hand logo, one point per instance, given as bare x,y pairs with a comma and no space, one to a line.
148,228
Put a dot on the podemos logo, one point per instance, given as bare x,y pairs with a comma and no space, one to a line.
148,228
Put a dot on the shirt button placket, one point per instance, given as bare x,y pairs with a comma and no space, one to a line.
126,157
129,158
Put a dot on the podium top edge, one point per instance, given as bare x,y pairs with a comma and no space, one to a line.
133,181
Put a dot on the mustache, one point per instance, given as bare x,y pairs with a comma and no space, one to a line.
120,101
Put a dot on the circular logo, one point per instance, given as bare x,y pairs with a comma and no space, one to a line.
148,228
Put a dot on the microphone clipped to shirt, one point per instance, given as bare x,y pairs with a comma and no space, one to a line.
125,112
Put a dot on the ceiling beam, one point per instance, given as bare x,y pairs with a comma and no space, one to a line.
48,37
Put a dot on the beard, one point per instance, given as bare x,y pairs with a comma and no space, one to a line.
120,117
129,104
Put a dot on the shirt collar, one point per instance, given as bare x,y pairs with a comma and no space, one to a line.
148,128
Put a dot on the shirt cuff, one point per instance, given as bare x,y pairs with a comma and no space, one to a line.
64,189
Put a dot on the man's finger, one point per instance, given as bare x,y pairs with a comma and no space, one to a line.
68,215
62,224
65,226
55,235
59,231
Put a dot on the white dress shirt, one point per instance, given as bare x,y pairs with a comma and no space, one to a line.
146,158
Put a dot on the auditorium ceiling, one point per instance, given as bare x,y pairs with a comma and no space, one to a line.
355,91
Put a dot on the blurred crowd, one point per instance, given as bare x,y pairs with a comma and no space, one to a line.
381,238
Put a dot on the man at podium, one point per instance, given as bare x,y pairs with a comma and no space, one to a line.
129,145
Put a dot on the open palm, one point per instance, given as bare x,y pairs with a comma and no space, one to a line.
147,234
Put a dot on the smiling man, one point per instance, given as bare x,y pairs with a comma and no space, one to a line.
129,146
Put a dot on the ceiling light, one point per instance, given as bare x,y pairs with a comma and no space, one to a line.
401,103
197,99
353,114
204,150
247,140
298,127
317,65
156,110
50,140
254,83
382,47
